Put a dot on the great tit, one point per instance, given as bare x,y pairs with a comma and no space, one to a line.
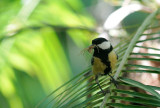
104,59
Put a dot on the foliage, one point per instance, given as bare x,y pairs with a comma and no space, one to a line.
87,94
35,48
40,42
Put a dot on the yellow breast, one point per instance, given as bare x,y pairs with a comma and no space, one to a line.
113,59
98,66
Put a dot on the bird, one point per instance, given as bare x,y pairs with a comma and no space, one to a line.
103,60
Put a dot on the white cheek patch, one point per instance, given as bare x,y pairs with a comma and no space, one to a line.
104,45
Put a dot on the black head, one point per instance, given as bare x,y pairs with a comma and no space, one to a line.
99,41
101,47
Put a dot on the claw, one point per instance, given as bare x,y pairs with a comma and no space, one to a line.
104,92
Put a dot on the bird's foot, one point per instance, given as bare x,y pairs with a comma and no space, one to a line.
104,92
112,80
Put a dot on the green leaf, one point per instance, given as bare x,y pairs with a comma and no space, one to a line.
154,87
155,38
147,47
140,71
137,100
120,105
142,66
146,54
137,94
151,33
147,59
142,86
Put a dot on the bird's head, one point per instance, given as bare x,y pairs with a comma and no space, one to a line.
100,44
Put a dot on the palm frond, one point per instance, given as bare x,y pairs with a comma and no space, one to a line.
81,91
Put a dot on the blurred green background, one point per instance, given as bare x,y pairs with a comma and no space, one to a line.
40,47
42,42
